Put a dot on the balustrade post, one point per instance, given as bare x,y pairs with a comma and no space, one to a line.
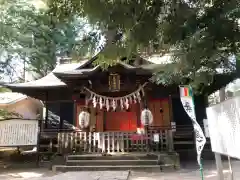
170,140
113,141
89,141
146,129
108,142
103,143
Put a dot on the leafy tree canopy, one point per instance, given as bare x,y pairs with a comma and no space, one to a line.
36,37
199,35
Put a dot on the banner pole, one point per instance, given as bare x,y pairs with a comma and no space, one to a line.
201,170
230,167
218,157
187,99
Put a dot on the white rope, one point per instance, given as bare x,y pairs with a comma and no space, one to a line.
116,98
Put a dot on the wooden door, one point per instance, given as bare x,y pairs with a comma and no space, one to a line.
161,112
120,121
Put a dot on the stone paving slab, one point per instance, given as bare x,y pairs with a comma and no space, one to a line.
189,171
95,175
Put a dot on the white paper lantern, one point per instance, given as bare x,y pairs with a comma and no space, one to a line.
84,119
146,117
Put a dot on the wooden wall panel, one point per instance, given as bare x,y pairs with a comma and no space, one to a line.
155,105
121,121
166,112
151,106
99,120
160,118
93,118
136,108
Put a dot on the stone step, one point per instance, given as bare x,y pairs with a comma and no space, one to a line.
65,168
112,157
118,161
110,162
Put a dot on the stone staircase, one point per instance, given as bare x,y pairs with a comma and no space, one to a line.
130,161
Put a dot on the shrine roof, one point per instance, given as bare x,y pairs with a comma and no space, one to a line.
152,67
85,71
82,69
142,69
50,80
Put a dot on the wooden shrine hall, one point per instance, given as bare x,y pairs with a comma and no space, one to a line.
114,110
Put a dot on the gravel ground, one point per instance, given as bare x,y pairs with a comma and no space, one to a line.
189,171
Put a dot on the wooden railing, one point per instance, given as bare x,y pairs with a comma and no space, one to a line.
68,141
111,142
184,138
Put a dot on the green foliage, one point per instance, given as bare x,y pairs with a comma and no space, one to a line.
4,114
38,38
2,89
199,35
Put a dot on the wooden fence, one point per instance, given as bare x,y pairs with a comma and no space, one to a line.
67,142
111,142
